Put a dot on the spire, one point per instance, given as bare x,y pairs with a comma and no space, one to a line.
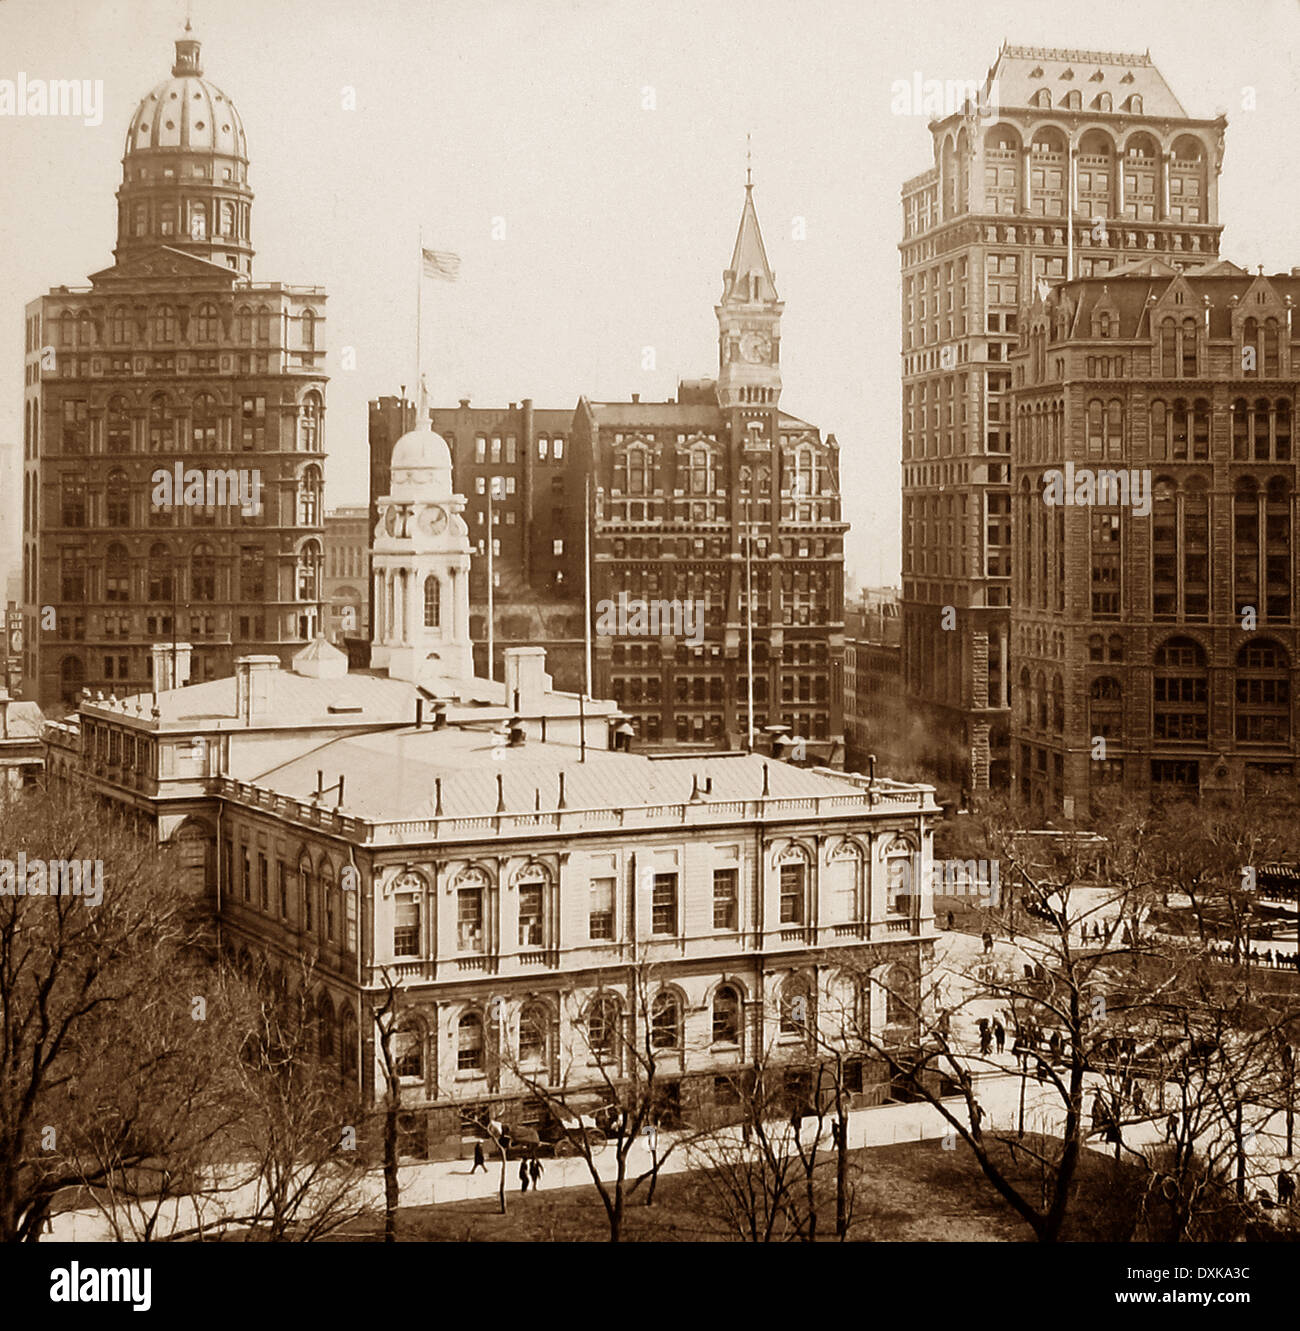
749,277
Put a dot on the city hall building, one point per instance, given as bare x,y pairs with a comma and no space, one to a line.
544,898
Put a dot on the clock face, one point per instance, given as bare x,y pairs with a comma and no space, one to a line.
433,521
392,520
16,641
755,347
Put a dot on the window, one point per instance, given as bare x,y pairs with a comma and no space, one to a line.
665,1022
159,574
726,1016
204,424
117,574
792,893
432,602
469,1043
601,916
469,919
118,426
664,904
602,1026
252,573
164,324
252,432
309,491
1263,689
534,1026
725,883
1180,689
205,323
308,898
530,915
406,926
329,896
203,573
72,505
408,1050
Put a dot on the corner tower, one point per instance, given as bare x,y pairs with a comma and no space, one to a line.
749,320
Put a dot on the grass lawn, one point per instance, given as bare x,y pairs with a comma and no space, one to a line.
915,1192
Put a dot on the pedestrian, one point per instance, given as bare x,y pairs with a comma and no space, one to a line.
999,1034
951,919
796,1120
988,942
745,1130
1056,1045
1171,1127
535,1171
479,1162
1139,1099
523,1175
986,1038
1285,1187
979,1114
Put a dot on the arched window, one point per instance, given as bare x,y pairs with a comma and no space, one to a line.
203,573
602,1026
309,423
632,471
1135,104
67,329
1270,349
1073,100
1042,98
1263,686
263,323
1058,703
1189,348
1040,697
348,1041
432,602
117,564
726,1016
408,1048
1180,691
534,1036
308,572
164,324
308,330
1168,348
329,899
1240,430
325,1028
204,424
118,325
162,425
469,1043
308,894
665,1021
309,488
244,324
117,426
117,501
796,1007
161,582
205,323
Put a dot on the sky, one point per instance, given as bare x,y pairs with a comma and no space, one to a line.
586,159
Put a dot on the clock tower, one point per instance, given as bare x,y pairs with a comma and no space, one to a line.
421,558
749,320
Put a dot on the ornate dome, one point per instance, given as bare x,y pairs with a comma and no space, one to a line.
421,462
186,113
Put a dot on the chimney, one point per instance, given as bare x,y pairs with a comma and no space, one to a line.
439,714
636,397
464,404
171,665
518,732
623,734
254,676
419,713
525,676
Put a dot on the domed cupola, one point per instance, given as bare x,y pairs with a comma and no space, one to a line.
185,171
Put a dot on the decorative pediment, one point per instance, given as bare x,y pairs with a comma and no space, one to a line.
162,263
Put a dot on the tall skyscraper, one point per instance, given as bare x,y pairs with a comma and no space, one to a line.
1069,163
172,363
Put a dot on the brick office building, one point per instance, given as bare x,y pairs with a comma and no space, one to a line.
1099,135
679,488
1169,635
171,356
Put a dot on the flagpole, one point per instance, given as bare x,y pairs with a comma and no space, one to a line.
491,630
586,582
419,314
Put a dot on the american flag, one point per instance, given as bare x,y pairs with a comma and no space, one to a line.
441,264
